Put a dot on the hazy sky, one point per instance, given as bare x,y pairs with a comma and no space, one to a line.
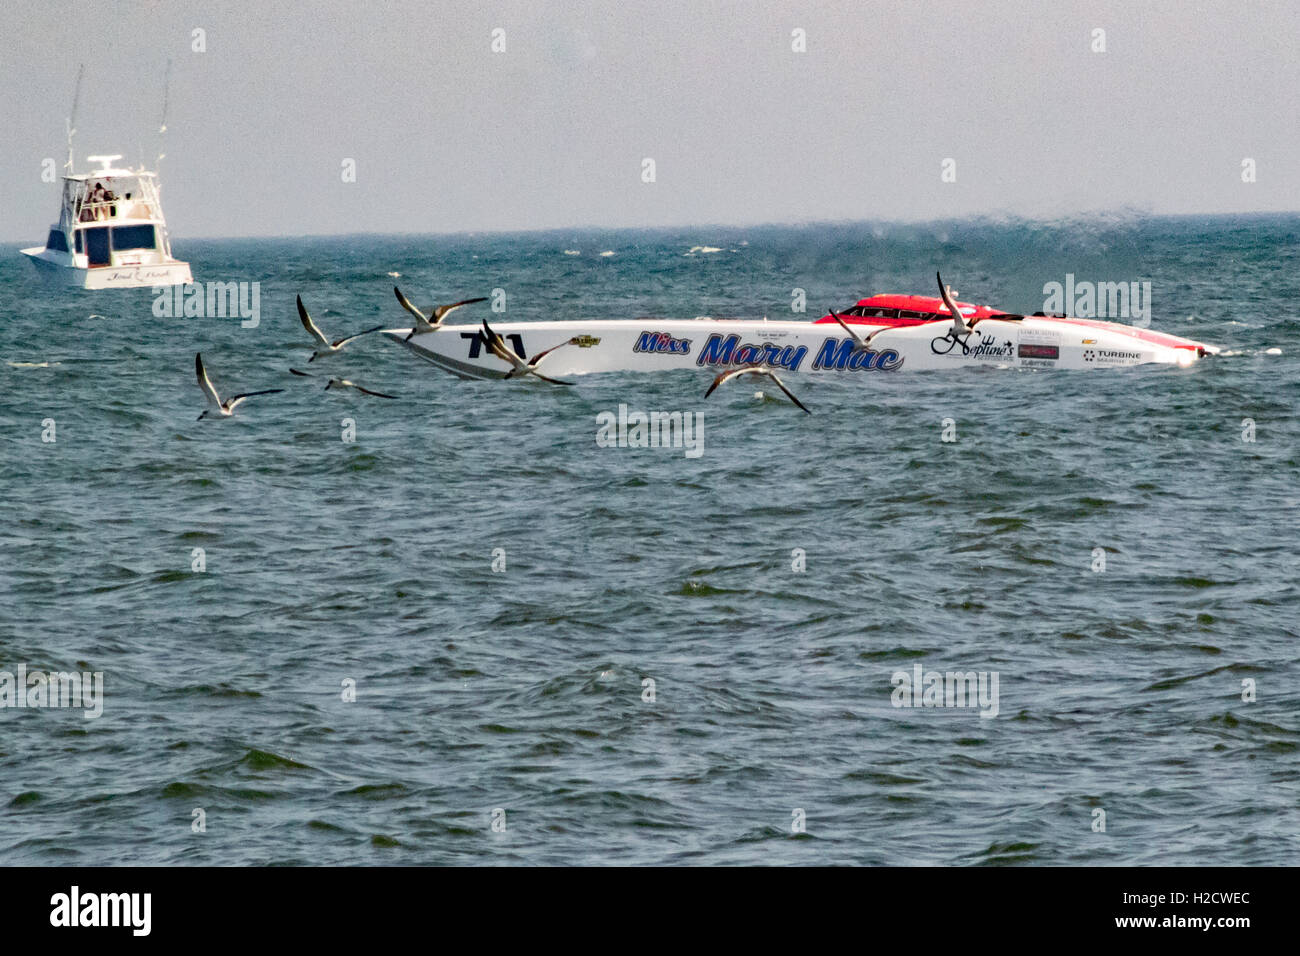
448,135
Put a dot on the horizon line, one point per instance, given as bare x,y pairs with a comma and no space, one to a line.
1121,214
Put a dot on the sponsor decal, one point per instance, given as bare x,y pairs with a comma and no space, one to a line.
973,345
476,343
1031,351
1110,357
842,354
834,353
718,350
659,342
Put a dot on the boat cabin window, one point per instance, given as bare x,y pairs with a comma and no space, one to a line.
97,253
871,312
77,236
133,237
909,314
57,241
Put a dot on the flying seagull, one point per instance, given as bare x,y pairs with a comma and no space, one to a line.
342,383
959,326
219,408
497,346
439,312
858,340
326,347
755,370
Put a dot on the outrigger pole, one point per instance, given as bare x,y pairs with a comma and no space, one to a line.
162,125
72,117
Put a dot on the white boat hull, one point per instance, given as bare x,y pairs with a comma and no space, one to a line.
64,274
717,344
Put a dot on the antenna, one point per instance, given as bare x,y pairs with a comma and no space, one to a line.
72,117
162,124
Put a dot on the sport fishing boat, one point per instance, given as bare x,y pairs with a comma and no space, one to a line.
111,232
880,334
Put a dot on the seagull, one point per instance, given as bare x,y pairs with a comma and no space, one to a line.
342,383
497,345
755,370
959,326
326,346
859,340
439,312
219,408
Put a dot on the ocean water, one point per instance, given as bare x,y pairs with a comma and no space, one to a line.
1162,690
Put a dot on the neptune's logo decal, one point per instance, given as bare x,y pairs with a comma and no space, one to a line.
983,346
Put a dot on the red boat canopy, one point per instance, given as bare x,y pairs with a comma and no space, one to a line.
900,310
904,310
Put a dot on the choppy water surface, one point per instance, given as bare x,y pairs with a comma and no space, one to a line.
327,561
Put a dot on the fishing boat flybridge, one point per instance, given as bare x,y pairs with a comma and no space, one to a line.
111,232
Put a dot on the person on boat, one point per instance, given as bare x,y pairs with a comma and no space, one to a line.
97,197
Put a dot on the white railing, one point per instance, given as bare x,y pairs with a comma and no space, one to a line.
141,204
113,209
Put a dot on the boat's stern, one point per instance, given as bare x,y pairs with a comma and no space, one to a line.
57,270
173,272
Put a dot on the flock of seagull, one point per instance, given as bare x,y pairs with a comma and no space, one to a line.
429,322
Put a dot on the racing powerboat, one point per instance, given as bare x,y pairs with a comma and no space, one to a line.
880,334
